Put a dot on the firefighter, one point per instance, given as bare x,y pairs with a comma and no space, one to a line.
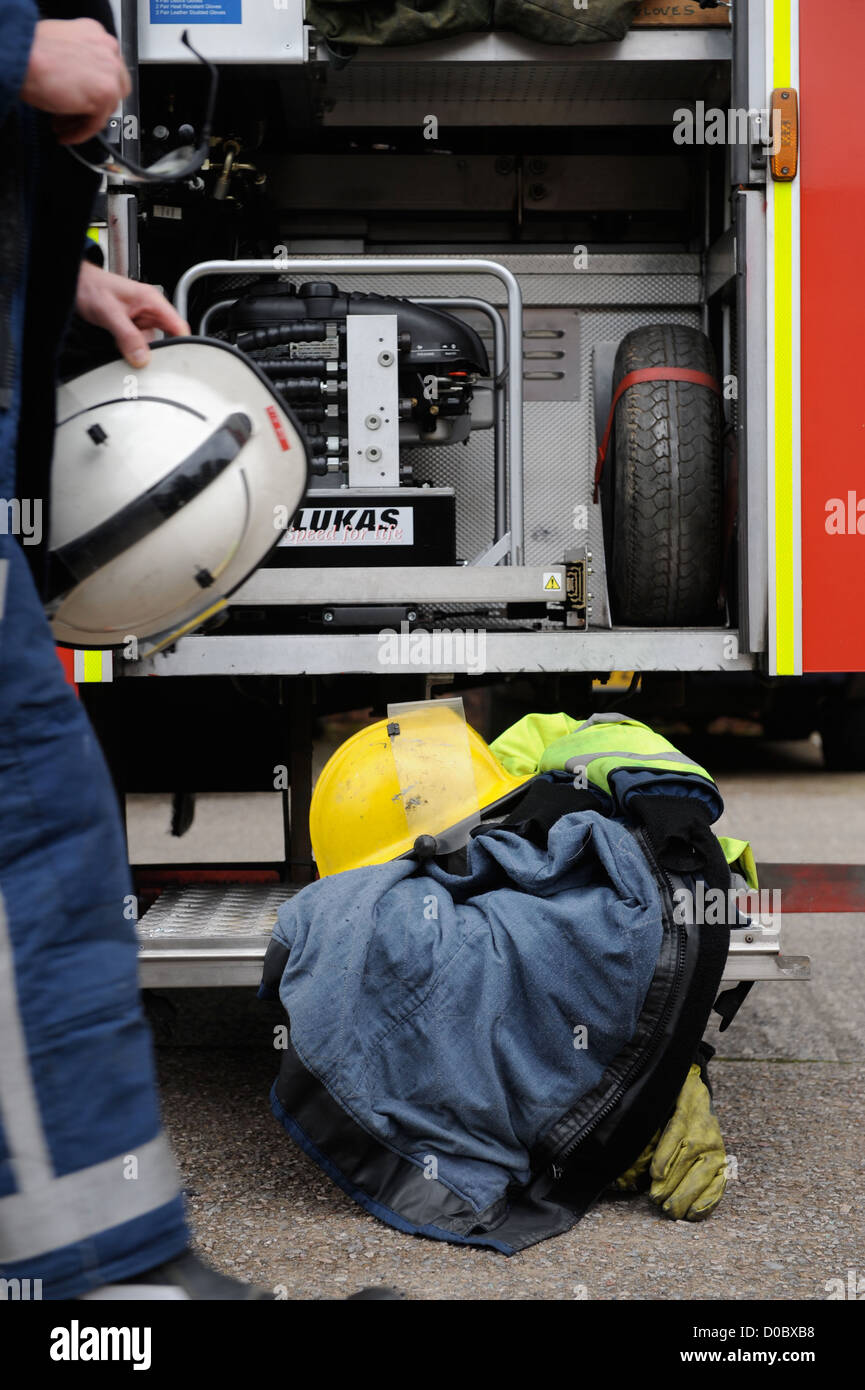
89,1195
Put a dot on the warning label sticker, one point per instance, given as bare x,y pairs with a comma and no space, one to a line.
196,11
277,428
552,583
330,526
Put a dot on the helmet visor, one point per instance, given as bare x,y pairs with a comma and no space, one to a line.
430,744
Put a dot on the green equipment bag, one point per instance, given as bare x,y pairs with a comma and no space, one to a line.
391,22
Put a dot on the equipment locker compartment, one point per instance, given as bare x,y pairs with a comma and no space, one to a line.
546,196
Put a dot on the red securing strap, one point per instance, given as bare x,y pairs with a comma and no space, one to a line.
632,378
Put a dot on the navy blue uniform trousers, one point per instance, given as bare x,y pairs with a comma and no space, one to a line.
88,1188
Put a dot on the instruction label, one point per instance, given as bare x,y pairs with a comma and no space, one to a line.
196,11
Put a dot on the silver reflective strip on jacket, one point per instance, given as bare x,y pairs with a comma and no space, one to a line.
628,756
601,718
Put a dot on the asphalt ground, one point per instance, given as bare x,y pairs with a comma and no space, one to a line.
788,1082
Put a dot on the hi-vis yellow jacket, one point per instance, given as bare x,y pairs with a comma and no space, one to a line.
611,752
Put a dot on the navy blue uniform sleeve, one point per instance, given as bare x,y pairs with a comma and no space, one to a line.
18,19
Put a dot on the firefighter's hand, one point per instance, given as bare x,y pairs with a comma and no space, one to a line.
689,1166
126,308
77,75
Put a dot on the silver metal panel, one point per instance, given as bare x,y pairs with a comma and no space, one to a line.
604,263
551,355
757,97
269,32
202,968
122,231
560,450
720,262
643,649
164,970
373,400
753,438
470,470
565,286
767,967
416,584
217,912
217,934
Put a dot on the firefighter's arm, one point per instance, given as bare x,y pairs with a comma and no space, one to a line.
74,72
126,308
18,23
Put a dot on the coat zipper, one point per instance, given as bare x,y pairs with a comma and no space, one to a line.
640,1062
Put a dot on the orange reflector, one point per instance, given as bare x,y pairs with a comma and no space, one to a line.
784,160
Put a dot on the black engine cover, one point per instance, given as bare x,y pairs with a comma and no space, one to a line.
433,338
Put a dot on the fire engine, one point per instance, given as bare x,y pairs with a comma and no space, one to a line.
569,331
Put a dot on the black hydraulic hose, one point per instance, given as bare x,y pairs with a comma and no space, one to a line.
304,388
293,366
303,331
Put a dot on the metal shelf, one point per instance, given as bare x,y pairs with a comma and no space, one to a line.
501,79
710,45
638,649
211,935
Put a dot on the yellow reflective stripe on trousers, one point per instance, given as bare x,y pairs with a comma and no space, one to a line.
48,1212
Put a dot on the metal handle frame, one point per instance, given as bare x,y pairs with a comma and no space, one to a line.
480,306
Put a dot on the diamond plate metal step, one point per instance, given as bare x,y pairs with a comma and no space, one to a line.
208,934
217,934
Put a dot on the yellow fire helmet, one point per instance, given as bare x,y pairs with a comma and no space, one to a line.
421,771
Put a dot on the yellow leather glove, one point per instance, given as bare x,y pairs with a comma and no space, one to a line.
687,1162
689,1165
629,1181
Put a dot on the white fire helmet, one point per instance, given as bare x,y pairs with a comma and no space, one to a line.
170,484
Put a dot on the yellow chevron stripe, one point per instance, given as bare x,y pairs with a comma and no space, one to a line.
785,388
